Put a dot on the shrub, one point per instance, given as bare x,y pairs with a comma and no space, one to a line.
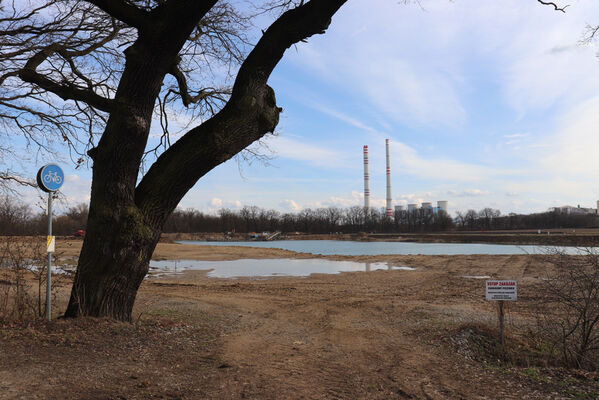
22,278
568,314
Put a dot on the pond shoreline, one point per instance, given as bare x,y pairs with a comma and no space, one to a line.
552,237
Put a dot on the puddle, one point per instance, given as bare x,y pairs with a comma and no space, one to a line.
56,269
266,267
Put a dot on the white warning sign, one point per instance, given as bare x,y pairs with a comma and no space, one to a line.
502,290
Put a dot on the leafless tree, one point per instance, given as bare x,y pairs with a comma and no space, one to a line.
487,215
95,74
460,219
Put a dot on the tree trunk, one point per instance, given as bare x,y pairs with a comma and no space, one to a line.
125,221
119,241
114,261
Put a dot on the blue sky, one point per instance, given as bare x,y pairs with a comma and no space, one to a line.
486,103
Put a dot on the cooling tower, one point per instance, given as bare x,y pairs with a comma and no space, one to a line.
442,205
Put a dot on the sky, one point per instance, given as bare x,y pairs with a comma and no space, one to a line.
486,104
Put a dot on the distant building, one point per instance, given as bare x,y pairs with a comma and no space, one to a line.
569,210
424,208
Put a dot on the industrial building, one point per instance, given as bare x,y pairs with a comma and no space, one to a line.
569,210
426,207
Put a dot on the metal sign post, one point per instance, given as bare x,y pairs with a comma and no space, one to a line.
49,269
49,178
501,322
501,291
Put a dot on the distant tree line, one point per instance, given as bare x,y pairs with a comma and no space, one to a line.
356,219
17,218
492,219
319,220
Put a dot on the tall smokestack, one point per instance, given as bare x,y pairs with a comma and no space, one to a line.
389,206
366,181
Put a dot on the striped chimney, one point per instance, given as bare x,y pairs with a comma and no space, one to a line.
389,205
366,181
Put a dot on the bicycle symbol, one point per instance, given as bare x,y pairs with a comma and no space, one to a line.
52,177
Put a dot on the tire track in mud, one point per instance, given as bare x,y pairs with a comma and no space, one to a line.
326,363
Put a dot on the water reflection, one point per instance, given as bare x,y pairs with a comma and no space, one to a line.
267,267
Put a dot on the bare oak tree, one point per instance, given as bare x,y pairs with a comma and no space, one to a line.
94,74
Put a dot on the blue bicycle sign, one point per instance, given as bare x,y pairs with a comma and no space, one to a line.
50,178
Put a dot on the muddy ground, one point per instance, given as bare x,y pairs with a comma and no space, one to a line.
398,334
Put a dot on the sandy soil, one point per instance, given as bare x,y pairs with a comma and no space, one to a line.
364,335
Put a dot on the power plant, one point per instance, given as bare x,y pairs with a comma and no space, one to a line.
427,207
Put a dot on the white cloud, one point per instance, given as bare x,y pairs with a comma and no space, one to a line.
76,189
379,67
410,93
516,135
343,117
546,64
469,193
213,205
409,161
356,198
290,205
573,150
286,147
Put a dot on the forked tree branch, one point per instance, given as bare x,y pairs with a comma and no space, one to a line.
186,98
65,90
250,113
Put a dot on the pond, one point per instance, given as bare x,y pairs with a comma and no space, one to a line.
349,248
266,267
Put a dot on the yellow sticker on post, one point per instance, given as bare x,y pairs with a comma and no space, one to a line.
51,243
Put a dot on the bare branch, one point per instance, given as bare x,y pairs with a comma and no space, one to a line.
64,90
555,6
590,33
203,94
10,177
